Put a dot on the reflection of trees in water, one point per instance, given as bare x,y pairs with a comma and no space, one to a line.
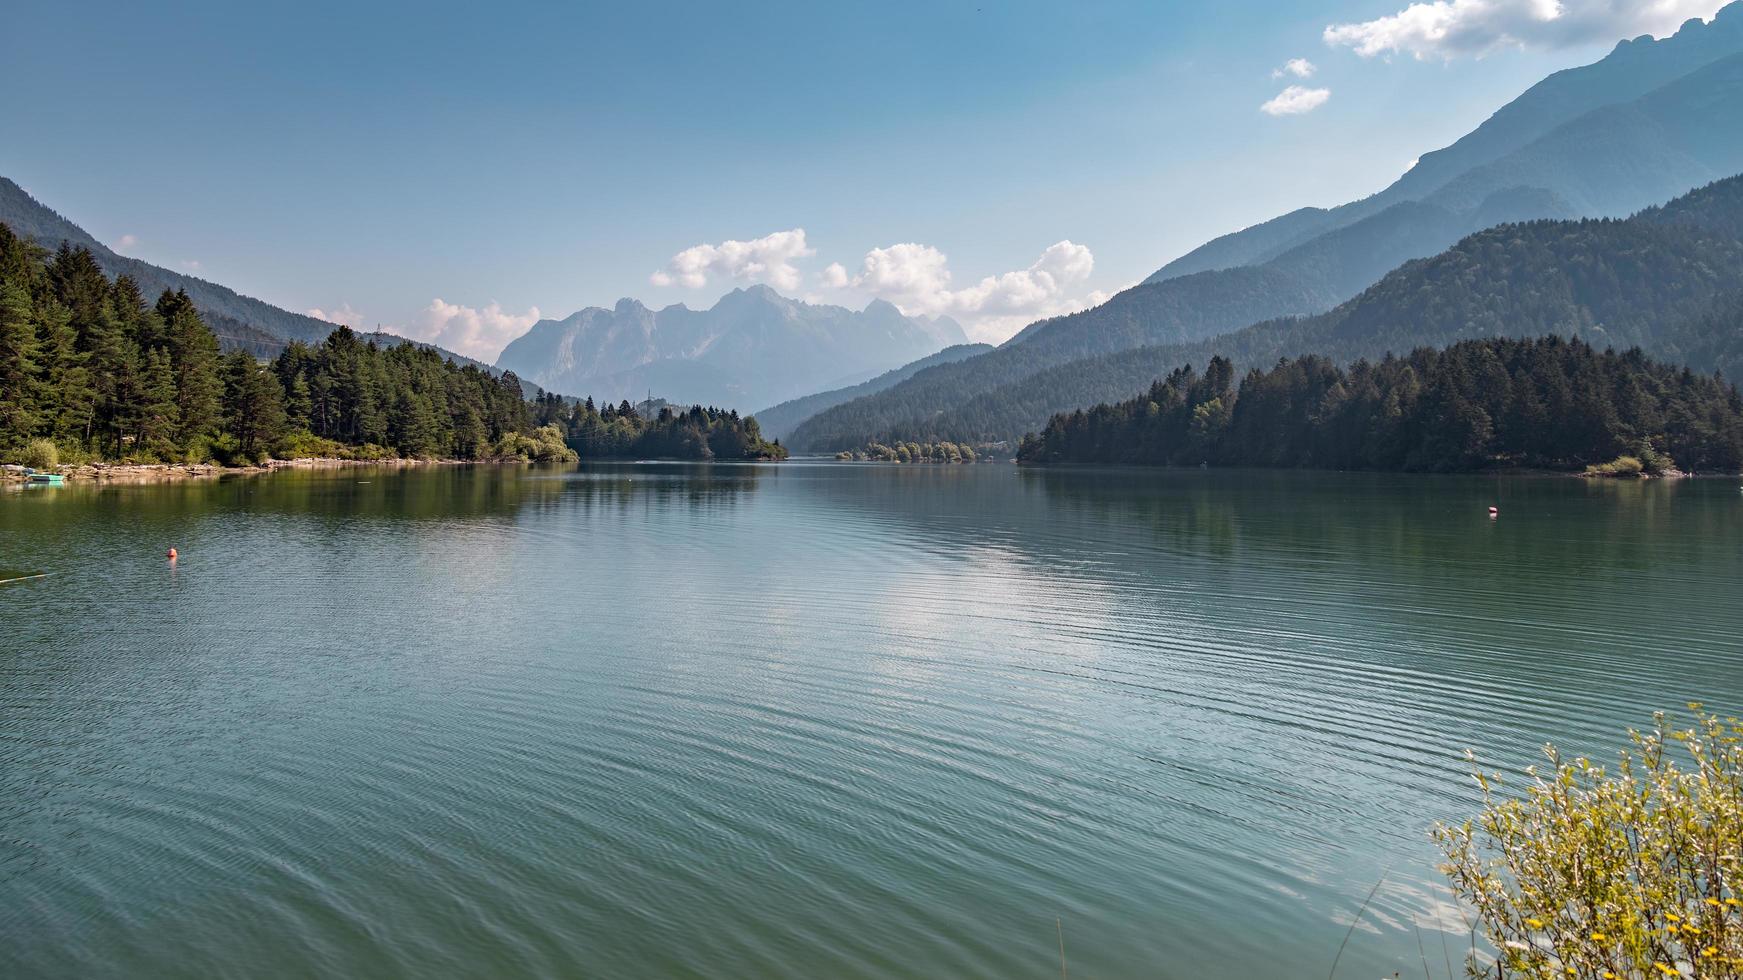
1378,551
1413,525
627,487
1189,517
401,494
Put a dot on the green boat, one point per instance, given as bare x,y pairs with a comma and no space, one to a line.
48,479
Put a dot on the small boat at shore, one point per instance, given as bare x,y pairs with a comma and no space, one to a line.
45,479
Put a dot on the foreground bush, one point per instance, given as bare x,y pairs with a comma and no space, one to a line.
304,444
40,454
1623,466
545,445
1599,873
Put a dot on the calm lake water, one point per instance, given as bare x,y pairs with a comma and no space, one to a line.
808,720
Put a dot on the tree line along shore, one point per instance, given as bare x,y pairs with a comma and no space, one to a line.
1550,404
96,380
93,373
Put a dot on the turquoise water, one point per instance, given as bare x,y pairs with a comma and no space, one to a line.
807,720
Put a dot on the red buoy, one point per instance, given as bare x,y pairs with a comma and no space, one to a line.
1493,511
172,554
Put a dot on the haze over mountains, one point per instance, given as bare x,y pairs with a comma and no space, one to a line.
240,322
753,347
779,420
1653,119
1650,121
1669,280
1633,69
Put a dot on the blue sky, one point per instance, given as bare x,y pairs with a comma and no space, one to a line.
368,160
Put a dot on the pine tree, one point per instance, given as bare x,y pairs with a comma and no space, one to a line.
253,404
66,397
193,354
155,425
115,372
18,365
298,400
412,425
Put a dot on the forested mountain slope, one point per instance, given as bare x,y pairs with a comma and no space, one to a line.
1609,161
1192,306
1667,279
1480,404
239,321
1617,159
779,421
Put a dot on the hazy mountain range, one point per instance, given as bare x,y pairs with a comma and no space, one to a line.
1669,280
1651,120
753,347
1633,69
778,421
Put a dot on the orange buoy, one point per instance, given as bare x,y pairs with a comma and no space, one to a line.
172,554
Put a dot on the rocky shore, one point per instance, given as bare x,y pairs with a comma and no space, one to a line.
168,472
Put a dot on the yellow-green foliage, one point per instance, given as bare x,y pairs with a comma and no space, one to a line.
40,454
914,452
545,445
1591,872
1620,466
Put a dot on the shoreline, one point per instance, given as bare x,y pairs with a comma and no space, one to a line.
173,472
119,473
1524,471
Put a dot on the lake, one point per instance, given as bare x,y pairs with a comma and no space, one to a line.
809,719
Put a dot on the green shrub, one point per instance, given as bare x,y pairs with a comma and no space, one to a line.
1631,872
198,450
76,454
40,454
368,451
1654,461
226,450
1620,466
304,444
545,445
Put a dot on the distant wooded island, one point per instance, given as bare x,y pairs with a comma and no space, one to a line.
1551,404
912,452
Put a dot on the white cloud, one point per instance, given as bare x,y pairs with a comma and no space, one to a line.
768,260
1447,29
834,275
480,334
917,277
1295,100
344,314
191,264
128,241
1299,67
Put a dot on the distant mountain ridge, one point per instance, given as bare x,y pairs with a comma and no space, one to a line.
240,322
1611,159
778,421
245,320
753,347
1668,280
1631,70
